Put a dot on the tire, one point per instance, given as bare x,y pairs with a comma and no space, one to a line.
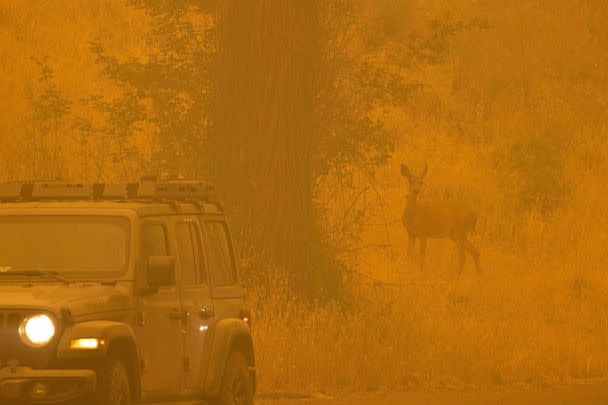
112,384
236,386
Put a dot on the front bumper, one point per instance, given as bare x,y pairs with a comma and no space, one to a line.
26,385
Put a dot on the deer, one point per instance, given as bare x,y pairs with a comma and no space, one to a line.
437,220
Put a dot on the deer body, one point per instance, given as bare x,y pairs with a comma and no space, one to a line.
437,220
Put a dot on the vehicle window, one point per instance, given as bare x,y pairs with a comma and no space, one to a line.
219,254
186,253
153,240
198,250
73,245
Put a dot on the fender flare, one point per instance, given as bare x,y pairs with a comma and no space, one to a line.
115,335
229,334
107,331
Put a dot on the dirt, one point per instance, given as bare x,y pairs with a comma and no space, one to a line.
596,393
578,395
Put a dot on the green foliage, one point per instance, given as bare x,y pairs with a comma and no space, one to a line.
50,110
352,86
123,118
432,47
367,67
539,161
174,82
85,131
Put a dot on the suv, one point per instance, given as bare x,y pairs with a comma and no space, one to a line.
111,293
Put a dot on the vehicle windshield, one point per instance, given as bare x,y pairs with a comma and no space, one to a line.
71,246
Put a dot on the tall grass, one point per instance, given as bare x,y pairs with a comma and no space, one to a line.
537,315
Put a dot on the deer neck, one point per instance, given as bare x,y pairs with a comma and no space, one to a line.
410,208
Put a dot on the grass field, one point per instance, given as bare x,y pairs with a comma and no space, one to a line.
537,315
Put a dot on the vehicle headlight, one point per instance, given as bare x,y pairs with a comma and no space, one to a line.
37,330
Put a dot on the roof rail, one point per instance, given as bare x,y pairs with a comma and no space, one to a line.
147,190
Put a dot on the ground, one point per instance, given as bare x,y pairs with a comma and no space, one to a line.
596,393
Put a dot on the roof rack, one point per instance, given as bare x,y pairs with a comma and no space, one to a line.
147,190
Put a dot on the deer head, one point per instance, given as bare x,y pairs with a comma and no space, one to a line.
414,182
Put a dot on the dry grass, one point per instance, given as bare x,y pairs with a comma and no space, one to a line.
538,315
524,328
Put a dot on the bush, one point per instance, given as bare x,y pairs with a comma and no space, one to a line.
539,161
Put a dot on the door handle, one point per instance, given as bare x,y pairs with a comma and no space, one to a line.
206,313
180,315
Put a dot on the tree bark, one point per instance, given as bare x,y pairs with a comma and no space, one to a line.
265,126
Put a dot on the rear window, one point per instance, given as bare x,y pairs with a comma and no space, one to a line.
219,254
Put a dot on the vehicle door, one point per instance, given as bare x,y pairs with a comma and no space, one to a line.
226,291
195,298
159,333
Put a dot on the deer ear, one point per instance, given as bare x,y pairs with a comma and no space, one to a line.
405,171
424,170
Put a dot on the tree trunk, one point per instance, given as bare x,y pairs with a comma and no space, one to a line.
265,127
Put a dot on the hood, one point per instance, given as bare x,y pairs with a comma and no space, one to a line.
78,298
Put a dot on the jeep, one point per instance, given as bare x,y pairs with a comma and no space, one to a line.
113,293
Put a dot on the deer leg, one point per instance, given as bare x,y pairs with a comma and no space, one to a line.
460,245
410,244
474,254
422,252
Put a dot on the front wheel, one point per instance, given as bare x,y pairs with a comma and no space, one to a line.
112,384
236,386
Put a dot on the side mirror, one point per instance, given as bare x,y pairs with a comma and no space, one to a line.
161,271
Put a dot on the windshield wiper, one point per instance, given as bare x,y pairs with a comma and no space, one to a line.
52,275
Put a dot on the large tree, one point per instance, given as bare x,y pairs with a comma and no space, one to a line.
265,131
